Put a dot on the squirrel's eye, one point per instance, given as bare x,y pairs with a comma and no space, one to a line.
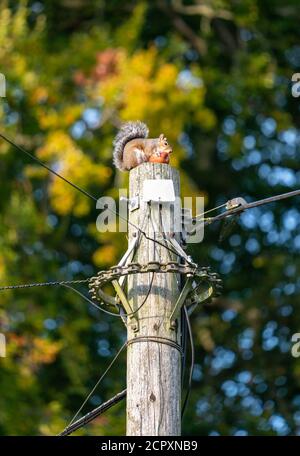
166,143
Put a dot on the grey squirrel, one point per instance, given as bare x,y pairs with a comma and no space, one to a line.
133,147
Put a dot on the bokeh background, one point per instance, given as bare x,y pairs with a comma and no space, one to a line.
214,77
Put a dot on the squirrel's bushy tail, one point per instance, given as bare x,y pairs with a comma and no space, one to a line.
127,132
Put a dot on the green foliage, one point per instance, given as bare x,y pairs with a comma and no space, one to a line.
219,88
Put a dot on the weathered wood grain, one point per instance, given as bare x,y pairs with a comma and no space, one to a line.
153,369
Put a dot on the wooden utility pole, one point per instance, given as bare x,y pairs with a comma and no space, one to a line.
153,365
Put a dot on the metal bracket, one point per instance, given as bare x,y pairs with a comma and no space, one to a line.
192,291
126,305
180,250
133,203
196,299
200,298
117,284
180,302
128,252
124,260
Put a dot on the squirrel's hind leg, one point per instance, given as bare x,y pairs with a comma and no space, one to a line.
140,155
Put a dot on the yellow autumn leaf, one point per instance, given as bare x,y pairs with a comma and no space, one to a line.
105,256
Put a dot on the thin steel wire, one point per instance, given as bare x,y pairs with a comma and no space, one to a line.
97,384
84,192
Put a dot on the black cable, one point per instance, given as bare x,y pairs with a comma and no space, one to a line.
156,339
243,207
125,314
185,325
97,384
151,281
90,416
47,167
192,362
68,283
92,302
112,313
207,222
84,192
183,344
145,299
94,413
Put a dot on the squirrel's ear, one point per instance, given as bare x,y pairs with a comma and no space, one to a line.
161,136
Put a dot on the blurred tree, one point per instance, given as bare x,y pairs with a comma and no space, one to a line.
215,78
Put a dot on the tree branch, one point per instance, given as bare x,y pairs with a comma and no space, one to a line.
183,28
201,10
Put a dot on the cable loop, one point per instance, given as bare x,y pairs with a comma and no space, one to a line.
157,339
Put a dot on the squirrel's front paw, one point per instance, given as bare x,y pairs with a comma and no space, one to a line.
159,157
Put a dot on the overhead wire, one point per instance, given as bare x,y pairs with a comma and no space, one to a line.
192,362
184,345
20,148
115,358
243,207
211,210
94,413
206,221
162,397
144,300
68,284
152,277
114,314
97,384
185,324
43,284
84,192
